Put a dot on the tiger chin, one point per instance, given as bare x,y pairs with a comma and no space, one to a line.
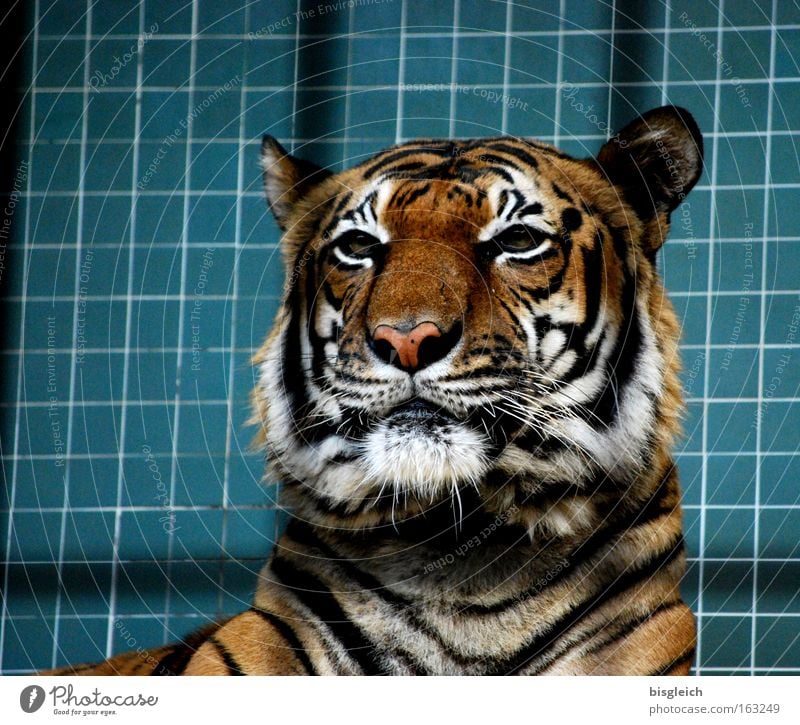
470,397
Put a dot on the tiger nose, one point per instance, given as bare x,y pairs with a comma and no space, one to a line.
415,348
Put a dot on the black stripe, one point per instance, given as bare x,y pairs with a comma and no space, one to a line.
651,510
319,599
557,629
290,636
176,660
227,657
618,634
517,153
402,153
681,659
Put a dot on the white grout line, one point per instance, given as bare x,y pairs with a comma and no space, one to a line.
126,372
707,360
401,74
762,332
237,245
173,475
73,371
507,63
454,67
560,73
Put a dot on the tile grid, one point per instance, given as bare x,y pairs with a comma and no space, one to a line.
711,296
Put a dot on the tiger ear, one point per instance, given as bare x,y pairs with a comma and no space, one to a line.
656,160
287,179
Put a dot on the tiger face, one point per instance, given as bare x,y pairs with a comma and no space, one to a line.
473,317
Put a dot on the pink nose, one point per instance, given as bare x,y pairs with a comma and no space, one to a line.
405,346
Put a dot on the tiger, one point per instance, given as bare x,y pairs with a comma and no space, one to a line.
470,398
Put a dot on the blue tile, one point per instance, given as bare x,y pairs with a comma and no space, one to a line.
691,478
587,57
779,425
81,640
245,474
785,159
202,428
212,220
733,373
106,220
534,59
159,219
480,60
214,166
692,429
538,119
155,324
787,43
544,15
112,115
422,15
748,53
684,266
778,533
39,484
55,167
200,481
198,534
778,590
118,18
109,167
145,535
150,425
133,633
250,533
89,535
726,641
428,61
782,319
29,644
93,481
741,160
728,586
779,476
732,427
59,116
735,319
166,63
731,480
60,63
152,376
35,537
729,533
220,19
172,16
751,12
691,314
784,215
62,17
85,589
32,589
219,61
777,642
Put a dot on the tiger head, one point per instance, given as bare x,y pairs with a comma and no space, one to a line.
476,318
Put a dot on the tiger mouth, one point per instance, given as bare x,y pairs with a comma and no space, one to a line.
419,412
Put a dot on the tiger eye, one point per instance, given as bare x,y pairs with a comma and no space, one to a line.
358,244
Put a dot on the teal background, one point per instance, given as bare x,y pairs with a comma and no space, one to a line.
107,549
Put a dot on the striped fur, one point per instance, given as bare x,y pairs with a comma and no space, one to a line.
511,505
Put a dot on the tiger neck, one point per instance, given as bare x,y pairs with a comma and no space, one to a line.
476,558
